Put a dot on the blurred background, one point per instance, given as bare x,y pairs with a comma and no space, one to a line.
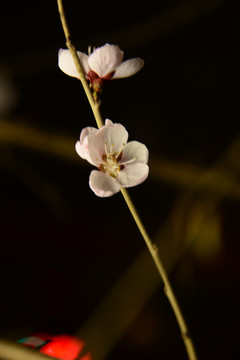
74,263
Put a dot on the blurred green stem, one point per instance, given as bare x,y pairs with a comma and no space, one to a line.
152,248
12,351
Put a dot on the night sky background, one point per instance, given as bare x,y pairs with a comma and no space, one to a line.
62,248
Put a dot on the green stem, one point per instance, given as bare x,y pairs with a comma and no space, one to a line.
95,106
167,285
152,248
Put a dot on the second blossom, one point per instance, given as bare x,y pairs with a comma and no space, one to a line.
104,63
120,164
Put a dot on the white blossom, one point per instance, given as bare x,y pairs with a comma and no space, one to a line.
120,164
104,63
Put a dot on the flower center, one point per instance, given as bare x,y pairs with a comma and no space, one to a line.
111,160
96,83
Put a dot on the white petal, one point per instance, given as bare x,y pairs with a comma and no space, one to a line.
108,139
109,122
78,148
134,150
128,68
105,59
102,184
133,174
82,145
115,138
86,132
96,148
66,63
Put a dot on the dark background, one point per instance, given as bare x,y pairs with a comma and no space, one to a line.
62,248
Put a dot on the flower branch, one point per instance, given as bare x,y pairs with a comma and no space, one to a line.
153,249
120,165
94,106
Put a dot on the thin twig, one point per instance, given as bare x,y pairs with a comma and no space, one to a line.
152,248
167,285
95,106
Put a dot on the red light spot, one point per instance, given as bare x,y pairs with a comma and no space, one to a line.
63,347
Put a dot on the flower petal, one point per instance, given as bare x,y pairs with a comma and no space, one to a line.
66,63
134,150
109,122
133,174
128,68
82,145
109,139
105,59
102,184
115,138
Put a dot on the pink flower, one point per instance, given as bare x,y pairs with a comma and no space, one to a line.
104,63
120,164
